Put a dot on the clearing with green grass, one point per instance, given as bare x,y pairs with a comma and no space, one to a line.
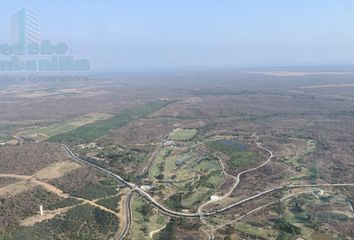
183,134
239,153
99,128
145,220
43,133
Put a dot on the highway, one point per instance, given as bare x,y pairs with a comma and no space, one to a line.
128,199
131,186
169,212
128,220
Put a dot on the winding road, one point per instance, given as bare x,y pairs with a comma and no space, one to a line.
237,180
238,177
131,186
170,212
200,215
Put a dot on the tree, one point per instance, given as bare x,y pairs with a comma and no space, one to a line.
146,210
169,232
285,226
282,236
160,176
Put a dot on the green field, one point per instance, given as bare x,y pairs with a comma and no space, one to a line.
167,165
43,133
144,224
256,231
203,189
299,163
239,153
157,165
192,182
298,217
4,138
99,128
183,134
227,147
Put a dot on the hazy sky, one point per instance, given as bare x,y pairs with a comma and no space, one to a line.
168,34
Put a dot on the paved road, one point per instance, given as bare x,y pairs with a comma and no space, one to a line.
212,236
238,177
322,185
237,180
128,217
169,212
131,186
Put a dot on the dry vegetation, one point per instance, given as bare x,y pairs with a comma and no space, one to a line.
26,159
310,129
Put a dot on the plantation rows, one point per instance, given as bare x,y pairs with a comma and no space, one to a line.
110,203
82,222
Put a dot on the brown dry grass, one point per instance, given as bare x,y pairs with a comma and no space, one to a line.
56,170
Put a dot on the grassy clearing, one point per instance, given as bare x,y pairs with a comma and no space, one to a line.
227,147
241,159
239,153
5,138
16,188
299,213
171,168
196,197
257,231
214,179
183,134
56,170
142,224
191,182
207,165
295,215
192,176
302,173
166,165
156,222
298,162
99,128
138,220
203,189
59,128
5,181
159,163
180,173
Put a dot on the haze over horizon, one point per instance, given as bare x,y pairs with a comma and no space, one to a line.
138,35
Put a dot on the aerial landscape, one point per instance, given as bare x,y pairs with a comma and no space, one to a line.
259,151
184,160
